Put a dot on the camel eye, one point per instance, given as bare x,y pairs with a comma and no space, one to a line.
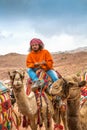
56,87
22,76
70,84
11,77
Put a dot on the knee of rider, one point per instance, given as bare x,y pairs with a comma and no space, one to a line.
28,70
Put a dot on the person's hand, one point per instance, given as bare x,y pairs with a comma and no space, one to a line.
37,64
43,62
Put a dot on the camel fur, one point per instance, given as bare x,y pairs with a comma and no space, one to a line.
27,105
68,89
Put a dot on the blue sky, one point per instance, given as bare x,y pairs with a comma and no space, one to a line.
60,24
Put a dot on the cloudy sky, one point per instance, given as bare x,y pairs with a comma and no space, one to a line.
60,24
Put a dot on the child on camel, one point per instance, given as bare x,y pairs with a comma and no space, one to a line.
39,57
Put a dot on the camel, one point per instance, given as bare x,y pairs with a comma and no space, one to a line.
59,106
68,89
27,105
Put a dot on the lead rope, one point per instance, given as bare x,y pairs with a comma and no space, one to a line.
48,110
12,119
39,105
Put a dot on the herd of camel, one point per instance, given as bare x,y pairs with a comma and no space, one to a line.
43,110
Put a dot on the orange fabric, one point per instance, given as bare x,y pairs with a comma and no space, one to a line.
39,56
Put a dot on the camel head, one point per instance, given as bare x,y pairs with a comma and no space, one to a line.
68,87
16,77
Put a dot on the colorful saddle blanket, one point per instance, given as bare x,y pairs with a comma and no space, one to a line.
5,108
83,90
8,117
41,75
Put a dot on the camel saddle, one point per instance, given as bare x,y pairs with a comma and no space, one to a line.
42,75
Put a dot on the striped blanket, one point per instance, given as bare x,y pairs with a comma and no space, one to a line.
5,108
8,116
83,90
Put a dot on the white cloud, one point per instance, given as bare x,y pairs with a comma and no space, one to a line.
19,41
59,43
5,34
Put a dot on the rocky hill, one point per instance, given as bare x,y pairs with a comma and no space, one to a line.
66,63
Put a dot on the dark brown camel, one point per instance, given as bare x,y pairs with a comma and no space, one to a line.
69,89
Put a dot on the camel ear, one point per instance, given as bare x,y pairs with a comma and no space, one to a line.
8,72
23,74
82,83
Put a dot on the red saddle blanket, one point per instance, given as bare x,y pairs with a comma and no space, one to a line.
5,108
8,117
83,90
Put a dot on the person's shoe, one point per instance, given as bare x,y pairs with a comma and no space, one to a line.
37,84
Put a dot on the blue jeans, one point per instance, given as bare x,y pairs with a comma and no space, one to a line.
32,74
53,75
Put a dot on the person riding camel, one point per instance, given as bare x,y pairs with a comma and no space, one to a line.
38,57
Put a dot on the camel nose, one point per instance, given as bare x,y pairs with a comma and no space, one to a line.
17,83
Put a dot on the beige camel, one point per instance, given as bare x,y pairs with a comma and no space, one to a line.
59,115
69,88
27,105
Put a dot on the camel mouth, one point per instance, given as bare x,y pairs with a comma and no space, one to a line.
18,86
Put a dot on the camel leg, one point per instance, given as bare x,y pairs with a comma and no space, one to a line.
33,124
56,116
73,123
64,119
46,124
